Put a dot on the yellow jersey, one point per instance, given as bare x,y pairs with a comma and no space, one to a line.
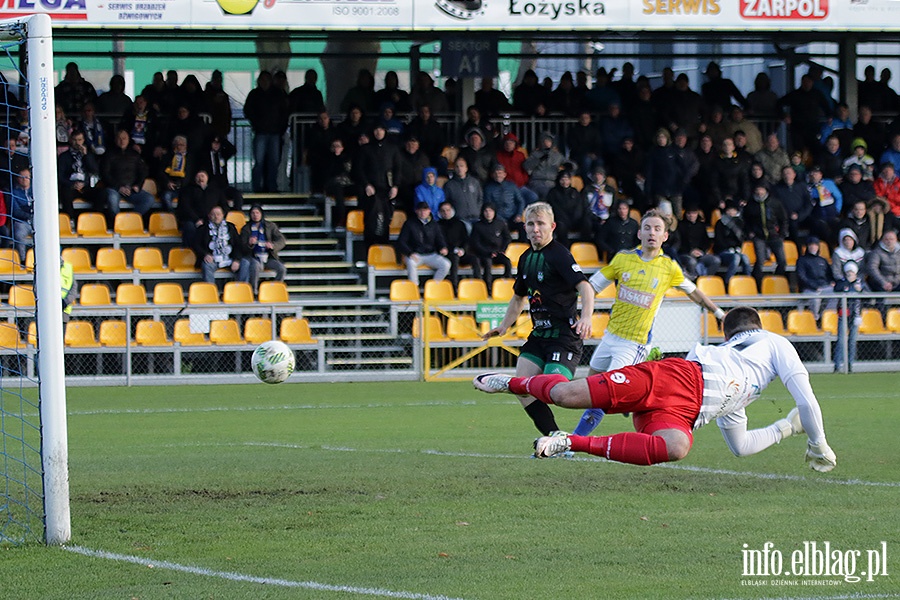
640,288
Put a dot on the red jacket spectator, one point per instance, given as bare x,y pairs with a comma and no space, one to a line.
511,157
887,186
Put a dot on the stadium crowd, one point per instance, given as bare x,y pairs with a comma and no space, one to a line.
711,159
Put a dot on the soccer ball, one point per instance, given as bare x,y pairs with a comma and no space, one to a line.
272,362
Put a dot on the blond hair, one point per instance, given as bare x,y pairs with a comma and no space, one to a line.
653,212
537,208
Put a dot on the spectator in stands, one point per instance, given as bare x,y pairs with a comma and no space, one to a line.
428,191
413,163
177,168
195,202
892,154
686,110
392,93
192,95
762,101
883,264
663,173
318,140
218,246
716,126
21,209
262,241
543,165
766,223
839,125
464,192
77,174
377,172
600,198
266,108
351,128
737,122
794,197
476,120
805,108
362,94
644,118
214,160
219,104
94,130
729,176
392,125
757,175
528,95
490,100
477,155
871,131
626,87
141,124
421,242
861,159
584,141
488,242
859,222
849,319
424,93
619,232
740,148
614,128
171,96
773,159
569,209
728,238
628,171
307,98
602,94
63,129
830,160
827,202
512,157
114,103
720,91
153,92
12,162
848,249
430,135
123,171
702,183
74,91
867,89
565,100
814,275
339,180
887,187
456,236
507,199
693,250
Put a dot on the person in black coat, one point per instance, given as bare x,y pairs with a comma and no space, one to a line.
456,236
77,173
693,250
421,242
490,237
794,197
569,209
377,172
194,204
619,232
766,222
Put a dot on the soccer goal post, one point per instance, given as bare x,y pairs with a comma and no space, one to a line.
35,496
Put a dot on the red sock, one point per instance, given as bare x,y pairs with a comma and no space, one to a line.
628,447
538,386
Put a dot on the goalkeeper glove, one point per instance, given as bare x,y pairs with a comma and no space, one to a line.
820,457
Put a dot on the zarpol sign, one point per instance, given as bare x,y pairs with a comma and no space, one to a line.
469,57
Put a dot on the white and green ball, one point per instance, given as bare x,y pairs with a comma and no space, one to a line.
272,362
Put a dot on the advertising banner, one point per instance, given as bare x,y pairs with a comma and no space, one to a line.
470,15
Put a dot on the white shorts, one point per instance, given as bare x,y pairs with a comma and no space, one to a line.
614,352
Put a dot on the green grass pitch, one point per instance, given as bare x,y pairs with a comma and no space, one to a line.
415,490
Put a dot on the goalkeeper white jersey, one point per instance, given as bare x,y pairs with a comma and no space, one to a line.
735,373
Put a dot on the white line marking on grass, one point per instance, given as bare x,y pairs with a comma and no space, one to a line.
152,411
310,585
841,597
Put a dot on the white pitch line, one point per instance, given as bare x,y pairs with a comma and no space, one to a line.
841,597
690,468
209,409
230,576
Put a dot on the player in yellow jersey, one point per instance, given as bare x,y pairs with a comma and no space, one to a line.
642,276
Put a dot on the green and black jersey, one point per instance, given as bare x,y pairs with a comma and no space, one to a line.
549,278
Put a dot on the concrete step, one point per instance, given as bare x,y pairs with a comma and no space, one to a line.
331,290
335,278
346,266
322,255
310,242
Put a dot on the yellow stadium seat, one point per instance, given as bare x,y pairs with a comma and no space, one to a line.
830,321
463,328
635,214
296,331
112,260
257,330
10,262
32,333
355,222
65,226
790,253
382,256
773,285
21,296
523,326
80,334
472,290
742,285
515,250
404,290
607,292
163,225
711,285
151,333
439,291
237,292
79,258
892,322
131,294
586,255
273,292
577,182
802,322
771,321
824,251
94,294
434,332
502,289
872,323
182,260
397,221
10,337
749,250
129,224
237,218
168,294
712,326
148,259
225,332
113,334
186,337
29,260
202,292
92,225
599,321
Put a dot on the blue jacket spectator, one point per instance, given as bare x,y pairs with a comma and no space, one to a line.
428,191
